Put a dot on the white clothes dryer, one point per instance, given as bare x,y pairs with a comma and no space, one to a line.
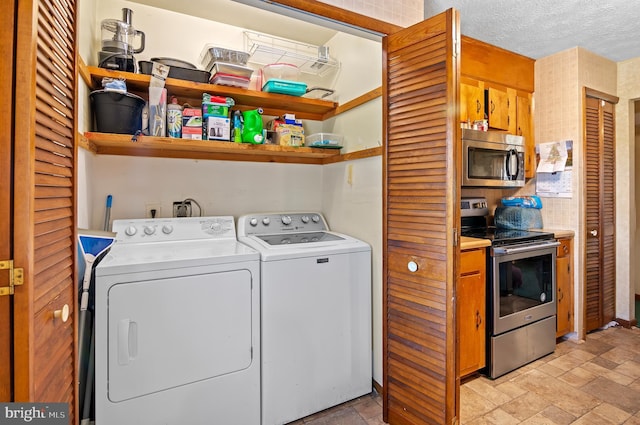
316,314
177,325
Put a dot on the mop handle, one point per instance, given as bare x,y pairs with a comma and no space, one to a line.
107,213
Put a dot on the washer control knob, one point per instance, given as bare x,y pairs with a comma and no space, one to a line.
130,231
216,227
286,220
253,222
305,219
149,230
266,221
315,218
167,229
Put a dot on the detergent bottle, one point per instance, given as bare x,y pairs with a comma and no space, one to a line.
252,126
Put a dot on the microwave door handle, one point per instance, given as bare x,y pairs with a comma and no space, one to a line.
510,155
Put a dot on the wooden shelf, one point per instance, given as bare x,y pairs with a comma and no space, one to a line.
165,147
191,92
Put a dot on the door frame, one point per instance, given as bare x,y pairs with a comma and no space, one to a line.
7,46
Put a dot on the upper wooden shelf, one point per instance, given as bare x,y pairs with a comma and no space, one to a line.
188,91
165,147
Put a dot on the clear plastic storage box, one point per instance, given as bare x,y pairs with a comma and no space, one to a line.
211,54
324,140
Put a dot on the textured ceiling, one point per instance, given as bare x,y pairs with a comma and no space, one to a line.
538,28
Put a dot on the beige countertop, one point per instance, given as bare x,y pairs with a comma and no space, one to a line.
557,233
473,243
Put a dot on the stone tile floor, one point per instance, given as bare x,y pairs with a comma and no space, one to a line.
595,382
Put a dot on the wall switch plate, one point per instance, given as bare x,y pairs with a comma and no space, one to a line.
182,209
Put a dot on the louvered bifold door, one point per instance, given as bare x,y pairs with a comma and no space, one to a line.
600,256
420,180
44,202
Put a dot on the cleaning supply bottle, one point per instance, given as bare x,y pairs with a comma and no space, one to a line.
252,126
236,134
174,119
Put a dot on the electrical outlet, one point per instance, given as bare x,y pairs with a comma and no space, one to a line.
182,209
149,209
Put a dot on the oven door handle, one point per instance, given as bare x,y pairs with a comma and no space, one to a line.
505,250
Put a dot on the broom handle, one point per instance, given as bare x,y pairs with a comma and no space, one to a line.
107,213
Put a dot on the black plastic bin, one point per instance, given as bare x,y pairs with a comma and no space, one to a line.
115,112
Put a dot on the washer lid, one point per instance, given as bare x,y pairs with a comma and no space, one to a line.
299,238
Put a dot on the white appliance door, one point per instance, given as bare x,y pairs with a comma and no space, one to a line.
169,332
316,334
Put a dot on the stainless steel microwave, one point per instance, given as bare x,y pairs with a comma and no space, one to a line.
492,159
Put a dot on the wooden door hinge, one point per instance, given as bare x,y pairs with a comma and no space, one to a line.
16,277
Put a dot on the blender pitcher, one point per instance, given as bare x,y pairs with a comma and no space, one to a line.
118,38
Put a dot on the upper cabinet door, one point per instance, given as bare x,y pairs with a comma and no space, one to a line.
497,105
421,169
471,103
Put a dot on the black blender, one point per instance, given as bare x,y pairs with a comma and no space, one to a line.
118,38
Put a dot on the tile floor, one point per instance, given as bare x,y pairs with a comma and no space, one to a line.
595,382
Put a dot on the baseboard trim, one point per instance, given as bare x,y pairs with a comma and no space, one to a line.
377,387
627,323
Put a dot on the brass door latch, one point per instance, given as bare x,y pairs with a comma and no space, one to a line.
16,277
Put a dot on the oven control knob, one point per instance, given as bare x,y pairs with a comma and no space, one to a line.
149,230
286,220
167,229
315,218
266,221
305,219
253,222
130,231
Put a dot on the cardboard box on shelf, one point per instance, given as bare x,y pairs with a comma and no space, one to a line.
218,128
289,135
192,123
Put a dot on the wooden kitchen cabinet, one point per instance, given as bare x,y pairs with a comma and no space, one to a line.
497,104
472,310
471,102
508,82
564,287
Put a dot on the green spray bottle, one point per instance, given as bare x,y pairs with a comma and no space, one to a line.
252,126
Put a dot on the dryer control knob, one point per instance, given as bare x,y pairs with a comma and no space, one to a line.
167,229
216,227
130,231
253,222
266,221
149,230
305,219
286,220
315,218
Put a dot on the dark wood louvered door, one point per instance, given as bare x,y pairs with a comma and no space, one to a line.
44,202
420,195
600,240
7,27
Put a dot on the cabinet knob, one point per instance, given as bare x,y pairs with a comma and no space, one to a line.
565,249
594,232
478,319
62,313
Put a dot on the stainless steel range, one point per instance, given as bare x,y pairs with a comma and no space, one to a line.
521,288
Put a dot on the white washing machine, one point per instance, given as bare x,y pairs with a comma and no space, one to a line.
177,325
316,314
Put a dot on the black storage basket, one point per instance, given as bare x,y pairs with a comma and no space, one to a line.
116,112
